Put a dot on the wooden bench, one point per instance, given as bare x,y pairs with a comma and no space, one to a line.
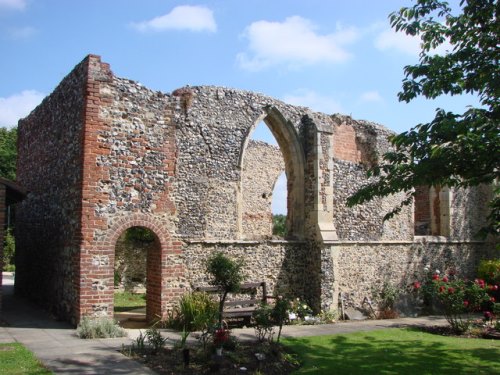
240,308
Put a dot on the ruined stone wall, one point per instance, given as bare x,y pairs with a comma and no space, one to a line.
279,263
357,145
210,139
262,165
129,168
49,166
469,211
360,267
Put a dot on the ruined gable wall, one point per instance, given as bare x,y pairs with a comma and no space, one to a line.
49,166
262,165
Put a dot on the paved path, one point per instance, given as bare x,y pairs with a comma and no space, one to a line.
58,347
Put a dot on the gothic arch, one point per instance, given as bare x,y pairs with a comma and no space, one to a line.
293,154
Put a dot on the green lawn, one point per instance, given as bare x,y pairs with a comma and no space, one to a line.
126,301
395,351
16,359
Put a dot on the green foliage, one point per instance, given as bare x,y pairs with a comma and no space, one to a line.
386,297
9,251
227,275
455,150
16,359
8,153
457,298
394,351
489,270
195,312
99,328
300,308
139,234
279,225
279,314
263,322
155,339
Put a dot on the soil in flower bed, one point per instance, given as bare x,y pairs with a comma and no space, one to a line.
242,360
476,332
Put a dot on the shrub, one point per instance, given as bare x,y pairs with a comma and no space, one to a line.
9,250
264,325
155,339
385,298
99,328
226,275
196,312
457,298
489,270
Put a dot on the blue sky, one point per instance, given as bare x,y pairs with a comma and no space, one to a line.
332,56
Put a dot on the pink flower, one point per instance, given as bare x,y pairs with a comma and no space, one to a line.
445,279
492,299
435,277
451,290
466,303
417,285
441,289
488,314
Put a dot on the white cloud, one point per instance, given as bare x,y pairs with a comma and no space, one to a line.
293,42
17,106
21,32
389,39
13,4
371,96
183,17
410,45
313,100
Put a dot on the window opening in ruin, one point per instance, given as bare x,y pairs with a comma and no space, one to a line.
263,186
134,251
432,211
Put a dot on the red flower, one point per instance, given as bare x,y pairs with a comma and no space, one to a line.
435,277
451,290
221,336
417,285
492,299
488,314
441,289
466,303
445,279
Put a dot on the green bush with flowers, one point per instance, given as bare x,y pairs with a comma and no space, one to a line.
458,298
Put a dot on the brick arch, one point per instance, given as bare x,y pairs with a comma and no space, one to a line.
138,220
158,293
293,154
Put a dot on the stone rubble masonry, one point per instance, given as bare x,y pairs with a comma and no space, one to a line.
102,154
262,165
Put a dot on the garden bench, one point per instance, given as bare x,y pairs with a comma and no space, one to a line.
240,308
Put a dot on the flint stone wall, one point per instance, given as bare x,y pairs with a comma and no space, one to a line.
262,165
102,154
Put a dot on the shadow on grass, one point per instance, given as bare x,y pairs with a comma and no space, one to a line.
396,351
127,308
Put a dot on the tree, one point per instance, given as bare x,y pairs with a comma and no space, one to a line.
455,150
226,275
8,153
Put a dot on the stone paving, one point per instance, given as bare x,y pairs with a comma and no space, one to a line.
56,345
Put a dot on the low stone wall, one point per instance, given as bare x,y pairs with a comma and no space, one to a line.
359,267
279,263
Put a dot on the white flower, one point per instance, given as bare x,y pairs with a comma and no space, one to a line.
438,272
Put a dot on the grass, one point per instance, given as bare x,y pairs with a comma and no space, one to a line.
395,351
126,301
16,359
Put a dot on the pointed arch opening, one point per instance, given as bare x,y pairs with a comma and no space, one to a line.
291,154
